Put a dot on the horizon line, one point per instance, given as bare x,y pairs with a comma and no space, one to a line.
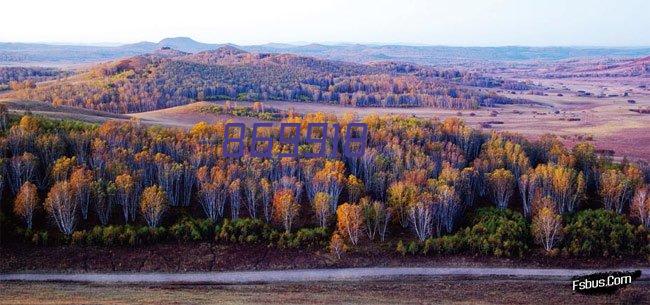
324,43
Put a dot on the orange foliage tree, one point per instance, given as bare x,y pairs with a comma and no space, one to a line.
321,206
350,221
502,185
153,205
26,202
337,245
285,208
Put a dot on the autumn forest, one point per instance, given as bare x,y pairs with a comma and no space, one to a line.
441,187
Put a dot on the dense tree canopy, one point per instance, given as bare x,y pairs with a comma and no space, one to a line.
419,176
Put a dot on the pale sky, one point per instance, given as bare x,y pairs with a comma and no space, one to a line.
244,22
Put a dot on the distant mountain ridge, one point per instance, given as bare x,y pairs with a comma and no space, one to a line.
184,44
14,53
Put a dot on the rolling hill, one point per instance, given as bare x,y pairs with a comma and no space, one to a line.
632,67
168,78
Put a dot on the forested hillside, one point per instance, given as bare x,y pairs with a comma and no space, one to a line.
16,78
169,78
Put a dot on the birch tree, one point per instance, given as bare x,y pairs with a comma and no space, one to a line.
153,205
350,221
501,182
285,208
62,207
26,202
547,226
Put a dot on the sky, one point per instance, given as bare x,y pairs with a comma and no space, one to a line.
414,22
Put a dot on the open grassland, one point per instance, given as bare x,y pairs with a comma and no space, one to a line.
186,116
181,116
606,122
59,112
403,291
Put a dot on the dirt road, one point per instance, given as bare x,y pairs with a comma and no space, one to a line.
303,275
